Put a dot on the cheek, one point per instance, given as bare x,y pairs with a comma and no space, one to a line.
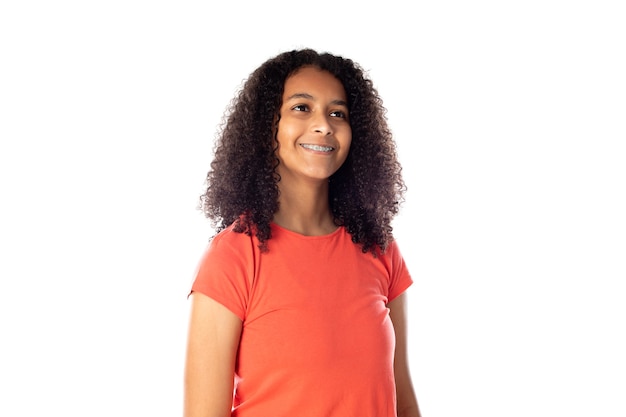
345,150
285,133
346,142
284,142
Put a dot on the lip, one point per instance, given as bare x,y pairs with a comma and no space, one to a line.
317,148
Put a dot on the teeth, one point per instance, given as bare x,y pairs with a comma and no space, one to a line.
318,148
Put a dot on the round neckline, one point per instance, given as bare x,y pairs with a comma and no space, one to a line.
282,229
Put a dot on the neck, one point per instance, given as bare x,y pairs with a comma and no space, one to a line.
305,210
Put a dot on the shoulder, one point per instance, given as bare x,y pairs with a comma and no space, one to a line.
229,237
392,252
393,260
229,246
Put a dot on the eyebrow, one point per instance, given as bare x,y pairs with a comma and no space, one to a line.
310,97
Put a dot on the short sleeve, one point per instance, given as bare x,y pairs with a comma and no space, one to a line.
224,272
400,278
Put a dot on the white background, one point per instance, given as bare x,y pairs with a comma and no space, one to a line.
510,122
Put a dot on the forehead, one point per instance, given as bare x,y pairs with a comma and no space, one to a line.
315,82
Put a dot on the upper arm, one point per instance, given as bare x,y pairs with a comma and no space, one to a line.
212,344
406,399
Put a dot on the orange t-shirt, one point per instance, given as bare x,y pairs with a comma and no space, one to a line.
317,339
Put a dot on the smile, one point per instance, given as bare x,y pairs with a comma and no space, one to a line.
317,148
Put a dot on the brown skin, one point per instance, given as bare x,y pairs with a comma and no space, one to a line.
407,402
214,333
312,114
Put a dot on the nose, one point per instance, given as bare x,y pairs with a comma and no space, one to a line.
321,124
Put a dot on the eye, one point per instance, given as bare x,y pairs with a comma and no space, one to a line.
340,114
300,107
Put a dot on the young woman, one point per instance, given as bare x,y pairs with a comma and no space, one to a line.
298,305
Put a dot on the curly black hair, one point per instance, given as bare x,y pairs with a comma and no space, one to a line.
242,183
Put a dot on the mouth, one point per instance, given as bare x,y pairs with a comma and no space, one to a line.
317,148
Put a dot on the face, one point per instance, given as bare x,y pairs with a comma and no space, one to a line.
314,133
